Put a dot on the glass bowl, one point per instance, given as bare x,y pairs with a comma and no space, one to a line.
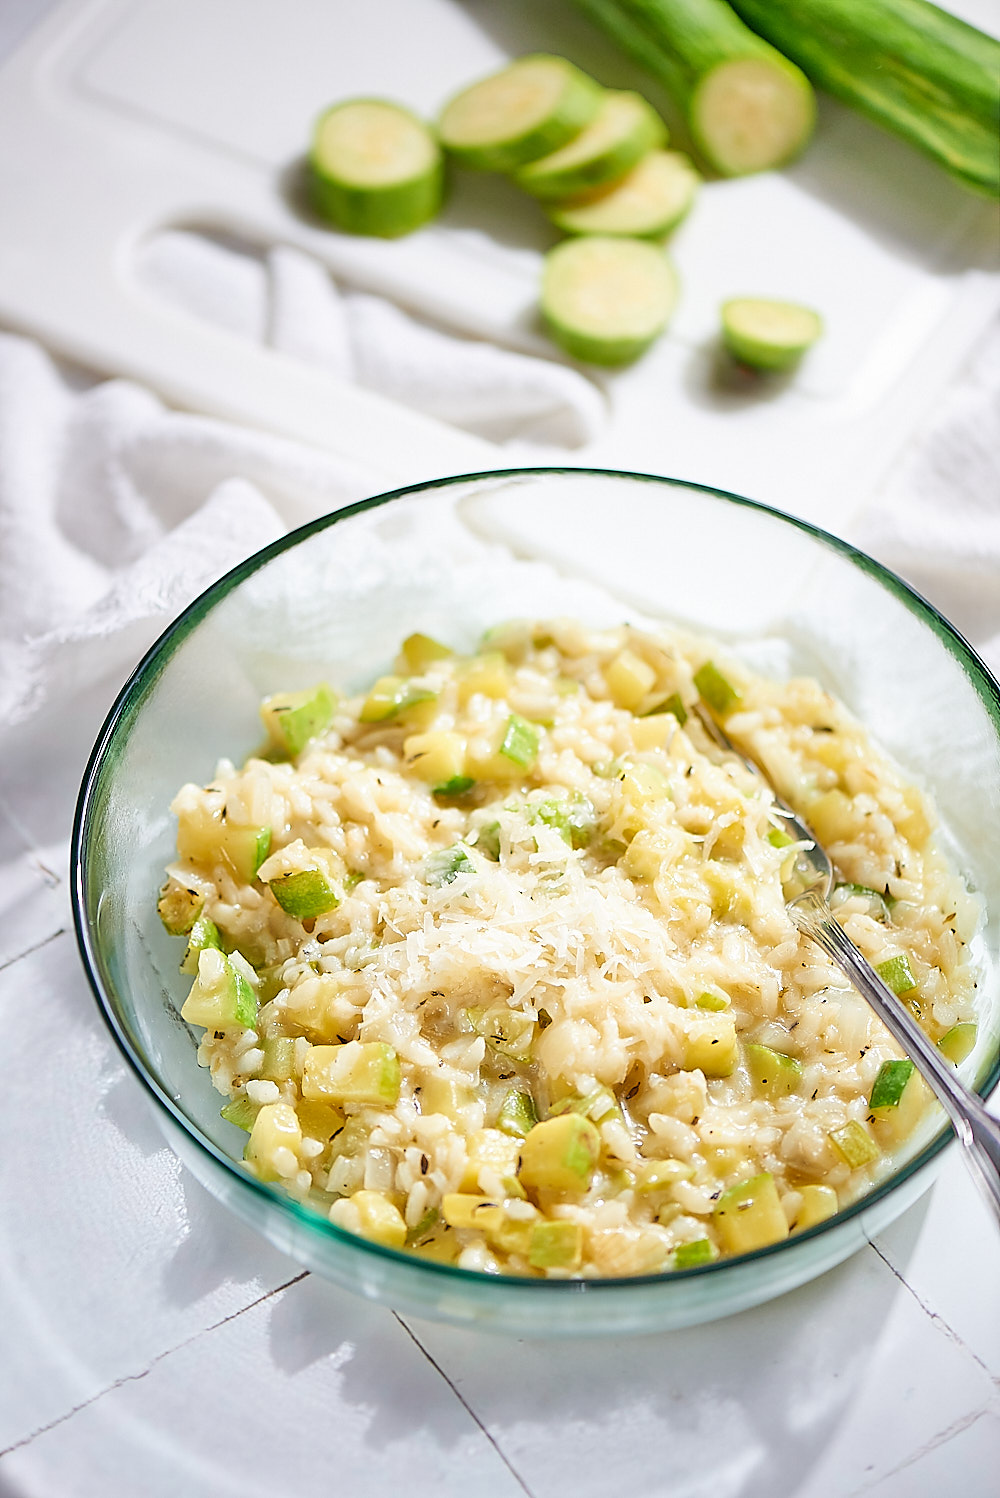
333,600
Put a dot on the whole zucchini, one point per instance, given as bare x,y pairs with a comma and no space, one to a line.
747,107
917,71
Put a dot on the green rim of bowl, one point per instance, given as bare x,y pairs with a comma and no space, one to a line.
128,703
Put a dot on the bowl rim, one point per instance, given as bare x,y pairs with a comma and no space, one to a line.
153,662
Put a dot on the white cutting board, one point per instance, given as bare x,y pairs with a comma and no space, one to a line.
119,118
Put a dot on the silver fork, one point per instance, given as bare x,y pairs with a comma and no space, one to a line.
807,892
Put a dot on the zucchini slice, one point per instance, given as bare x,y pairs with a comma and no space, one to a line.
605,300
768,335
647,203
375,168
618,136
525,111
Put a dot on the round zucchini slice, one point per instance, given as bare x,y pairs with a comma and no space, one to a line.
605,300
619,135
375,168
766,334
525,111
645,204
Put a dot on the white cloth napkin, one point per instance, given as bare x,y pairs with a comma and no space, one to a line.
115,512
289,301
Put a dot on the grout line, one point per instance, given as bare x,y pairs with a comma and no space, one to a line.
132,1378
937,1319
29,950
957,1428
465,1405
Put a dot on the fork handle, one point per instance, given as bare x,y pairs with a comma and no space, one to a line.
977,1131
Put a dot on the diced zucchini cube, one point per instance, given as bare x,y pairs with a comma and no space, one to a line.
508,1032
893,1122
220,996
420,651
488,674
445,864
443,1095
463,1209
319,1120
629,679
490,1149
293,718
241,1112
520,742
204,933
710,1044
673,704
660,1175
958,1042
716,689
652,733
352,1073
279,1058
275,1141
456,786
887,1089
896,974
854,1144
392,697
692,1255
179,906
832,817
818,1203
712,1001
773,1073
574,818
560,1154
306,882
750,1215
517,1115
437,757
555,1245
379,1220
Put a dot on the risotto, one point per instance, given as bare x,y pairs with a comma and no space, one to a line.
494,965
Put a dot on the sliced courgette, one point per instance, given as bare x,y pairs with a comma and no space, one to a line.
767,334
525,111
647,203
375,168
605,300
618,136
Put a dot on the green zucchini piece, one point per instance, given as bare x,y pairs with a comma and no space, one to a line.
488,841
896,975
957,1043
305,894
241,1112
647,203
624,129
717,690
420,651
887,1089
391,697
768,335
293,718
854,1144
375,169
444,865
517,1114
747,107
711,1001
574,819
279,1058
750,1215
878,906
672,704
909,66
204,933
555,1245
506,1031
525,111
179,906
774,1074
520,742
220,997
779,839
456,786
352,1073
559,1154
605,300
691,1255
244,849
